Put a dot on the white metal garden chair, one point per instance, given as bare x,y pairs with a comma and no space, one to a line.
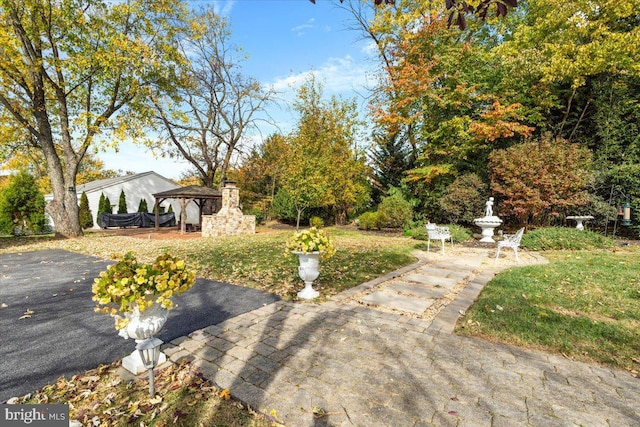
510,241
436,232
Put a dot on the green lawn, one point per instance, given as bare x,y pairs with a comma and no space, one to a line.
258,261
584,305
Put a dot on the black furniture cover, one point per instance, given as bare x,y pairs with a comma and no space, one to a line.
138,219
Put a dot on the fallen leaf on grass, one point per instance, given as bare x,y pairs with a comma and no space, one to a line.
155,400
90,378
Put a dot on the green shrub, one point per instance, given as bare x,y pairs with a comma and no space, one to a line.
464,198
395,211
369,220
460,234
283,207
316,222
257,213
22,205
551,238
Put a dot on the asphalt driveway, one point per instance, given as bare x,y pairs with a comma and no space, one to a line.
48,327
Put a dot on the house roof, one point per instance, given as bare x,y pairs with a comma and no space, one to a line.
101,184
190,192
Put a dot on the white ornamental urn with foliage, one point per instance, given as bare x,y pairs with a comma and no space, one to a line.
310,245
139,297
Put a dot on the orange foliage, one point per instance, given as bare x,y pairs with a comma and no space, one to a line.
499,122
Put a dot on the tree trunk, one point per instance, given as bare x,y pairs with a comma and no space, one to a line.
65,213
298,218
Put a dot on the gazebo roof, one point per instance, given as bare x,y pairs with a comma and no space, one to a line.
190,192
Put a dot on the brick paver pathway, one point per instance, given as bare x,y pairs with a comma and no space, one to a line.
382,364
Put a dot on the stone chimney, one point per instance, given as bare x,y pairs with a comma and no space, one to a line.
229,219
230,200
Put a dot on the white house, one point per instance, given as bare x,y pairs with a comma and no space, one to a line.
136,187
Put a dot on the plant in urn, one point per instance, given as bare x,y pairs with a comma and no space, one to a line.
310,245
139,297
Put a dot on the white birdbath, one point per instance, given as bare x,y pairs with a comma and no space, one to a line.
488,224
579,220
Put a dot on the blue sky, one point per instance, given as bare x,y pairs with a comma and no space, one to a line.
285,41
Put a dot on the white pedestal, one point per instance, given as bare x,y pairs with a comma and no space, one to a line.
579,220
133,362
308,292
487,235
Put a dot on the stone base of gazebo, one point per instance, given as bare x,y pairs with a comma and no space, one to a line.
229,219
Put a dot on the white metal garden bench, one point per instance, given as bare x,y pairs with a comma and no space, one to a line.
436,232
510,241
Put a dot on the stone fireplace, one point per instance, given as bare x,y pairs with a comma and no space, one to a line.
229,219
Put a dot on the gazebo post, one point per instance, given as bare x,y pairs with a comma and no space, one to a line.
201,206
156,209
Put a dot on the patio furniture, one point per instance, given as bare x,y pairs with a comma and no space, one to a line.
436,232
510,241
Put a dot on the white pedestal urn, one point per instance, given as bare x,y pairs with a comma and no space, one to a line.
309,270
142,326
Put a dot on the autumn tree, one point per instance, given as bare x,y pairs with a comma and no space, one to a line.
539,181
439,90
323,165
74,72
437,93
566,62
214,106
260,172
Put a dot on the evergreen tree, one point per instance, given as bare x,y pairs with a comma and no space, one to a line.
170,208
22,205
104,205
142,207
86,217
101,208
391,157
122,203
107,206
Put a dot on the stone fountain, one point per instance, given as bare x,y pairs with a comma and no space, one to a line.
488,223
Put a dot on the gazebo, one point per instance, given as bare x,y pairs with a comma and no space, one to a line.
186,195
